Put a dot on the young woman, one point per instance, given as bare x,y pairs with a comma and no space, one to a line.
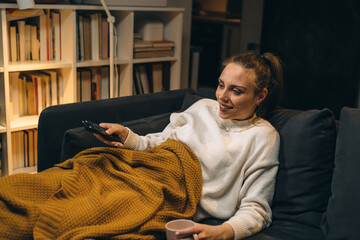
237,148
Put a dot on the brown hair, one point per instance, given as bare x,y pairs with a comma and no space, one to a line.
269,75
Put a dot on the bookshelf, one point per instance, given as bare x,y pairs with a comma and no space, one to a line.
13,124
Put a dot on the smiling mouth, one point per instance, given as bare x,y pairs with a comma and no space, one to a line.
224,107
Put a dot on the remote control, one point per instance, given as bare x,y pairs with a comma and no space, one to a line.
95,128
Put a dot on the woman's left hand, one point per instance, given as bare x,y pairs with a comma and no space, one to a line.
208,232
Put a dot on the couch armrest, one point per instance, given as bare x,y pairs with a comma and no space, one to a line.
55,120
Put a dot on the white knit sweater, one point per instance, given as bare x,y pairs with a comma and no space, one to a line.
239,161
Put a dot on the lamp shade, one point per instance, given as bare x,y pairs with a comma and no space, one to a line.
24,4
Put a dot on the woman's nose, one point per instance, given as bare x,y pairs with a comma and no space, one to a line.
223,95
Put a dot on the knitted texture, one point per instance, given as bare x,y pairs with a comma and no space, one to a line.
106,193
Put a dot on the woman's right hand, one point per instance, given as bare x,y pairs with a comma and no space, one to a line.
113,128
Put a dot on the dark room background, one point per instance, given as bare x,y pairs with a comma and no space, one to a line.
319,43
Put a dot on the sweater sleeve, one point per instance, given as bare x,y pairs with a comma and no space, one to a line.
137,142
256,193
177,120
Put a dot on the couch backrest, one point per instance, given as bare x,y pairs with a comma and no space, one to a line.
56,120
341,220
307,147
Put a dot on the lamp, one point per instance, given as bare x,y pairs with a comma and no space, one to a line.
24,4
111,20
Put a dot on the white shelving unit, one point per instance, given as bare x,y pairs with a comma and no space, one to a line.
126,19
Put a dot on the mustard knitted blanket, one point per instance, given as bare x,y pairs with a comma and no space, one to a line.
103,193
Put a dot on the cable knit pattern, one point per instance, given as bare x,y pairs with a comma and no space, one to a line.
239,162
105,193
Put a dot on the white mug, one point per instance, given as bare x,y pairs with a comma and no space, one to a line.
24,4
173,226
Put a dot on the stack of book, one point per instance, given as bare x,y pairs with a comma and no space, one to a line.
151,77
31,92
93,83
36,37
24,148
92,36
150,49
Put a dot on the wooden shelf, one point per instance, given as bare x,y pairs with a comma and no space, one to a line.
127,19
104,62
24,123
37,65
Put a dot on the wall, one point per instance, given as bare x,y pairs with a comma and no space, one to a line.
319,43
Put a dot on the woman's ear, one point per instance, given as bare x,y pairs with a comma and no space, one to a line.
262,95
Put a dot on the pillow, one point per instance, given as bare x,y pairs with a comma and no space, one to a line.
341,220
189,100
307,145
78,139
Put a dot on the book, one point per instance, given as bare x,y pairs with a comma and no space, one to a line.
163,43
36,146
137,80
157,77
56,35
45,91
22,43
27,42
152,49
105,83
14,94
43,38
13,45
95,43
151,54
32,85
30,147
85,77
87,38
144,80
143,44
35,44
22,95
104,38
81,38
54,87
48,35
25,145
16,150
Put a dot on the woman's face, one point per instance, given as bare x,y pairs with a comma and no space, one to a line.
235,93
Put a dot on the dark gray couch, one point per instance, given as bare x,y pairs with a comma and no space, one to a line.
316,195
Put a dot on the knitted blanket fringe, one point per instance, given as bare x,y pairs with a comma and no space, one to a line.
105,193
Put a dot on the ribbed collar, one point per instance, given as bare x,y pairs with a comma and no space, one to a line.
233,125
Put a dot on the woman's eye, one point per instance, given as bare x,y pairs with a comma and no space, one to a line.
220,85
237,92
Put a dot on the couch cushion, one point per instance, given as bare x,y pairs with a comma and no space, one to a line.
307,143
285,230
341,220
189,100
78,139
